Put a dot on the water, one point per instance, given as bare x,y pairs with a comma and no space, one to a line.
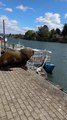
59,58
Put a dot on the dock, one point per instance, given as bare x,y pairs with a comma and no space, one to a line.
26,95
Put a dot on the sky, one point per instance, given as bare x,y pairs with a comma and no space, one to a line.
23,15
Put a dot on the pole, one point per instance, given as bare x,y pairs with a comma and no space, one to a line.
4,33
0,48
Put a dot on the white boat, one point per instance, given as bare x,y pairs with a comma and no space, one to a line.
42,58
16,46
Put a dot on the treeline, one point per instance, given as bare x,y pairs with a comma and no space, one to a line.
44,34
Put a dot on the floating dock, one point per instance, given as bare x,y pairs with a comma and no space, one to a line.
25,95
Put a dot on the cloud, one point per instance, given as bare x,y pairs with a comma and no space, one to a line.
11,26
52,20
24,8
25,29
2,4
65,16
9,9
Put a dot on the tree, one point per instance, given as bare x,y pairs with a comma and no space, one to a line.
43,33
58,31
64,31
52,35
30,35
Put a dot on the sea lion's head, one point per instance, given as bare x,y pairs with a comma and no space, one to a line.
27,51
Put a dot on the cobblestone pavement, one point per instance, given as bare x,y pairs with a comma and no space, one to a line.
24,95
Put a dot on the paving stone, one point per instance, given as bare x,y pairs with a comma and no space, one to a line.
20,111
17,105
15,114
9,115
2,113
23,117
30,118
12,119
17,118
37,110
23,106
38,105
6,107
1,106
13,109
0,100
42,117
4,100
4,118
27,113
25,95
35,116
30,108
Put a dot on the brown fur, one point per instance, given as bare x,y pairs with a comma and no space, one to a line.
16,58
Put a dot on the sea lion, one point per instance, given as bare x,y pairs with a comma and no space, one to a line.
16,58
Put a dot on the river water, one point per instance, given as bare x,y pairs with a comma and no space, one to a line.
59,58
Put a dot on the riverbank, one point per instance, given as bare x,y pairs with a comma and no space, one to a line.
25,95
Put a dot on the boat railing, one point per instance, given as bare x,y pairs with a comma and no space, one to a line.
40,57
48,58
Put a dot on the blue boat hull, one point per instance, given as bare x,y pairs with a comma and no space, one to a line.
48,67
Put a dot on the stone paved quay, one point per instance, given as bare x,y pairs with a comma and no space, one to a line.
25,95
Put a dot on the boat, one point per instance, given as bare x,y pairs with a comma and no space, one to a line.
38,57
42,58
16,47
48,67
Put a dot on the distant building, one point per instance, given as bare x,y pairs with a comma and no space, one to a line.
1,38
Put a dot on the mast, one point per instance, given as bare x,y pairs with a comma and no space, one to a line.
4,33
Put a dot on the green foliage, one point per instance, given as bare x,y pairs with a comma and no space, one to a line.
58,31
30,35
44,34
20,36
64,31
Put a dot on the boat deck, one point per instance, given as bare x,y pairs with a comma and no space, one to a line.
25,95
